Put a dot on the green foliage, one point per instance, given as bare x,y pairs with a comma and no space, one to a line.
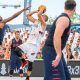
76,18
50,20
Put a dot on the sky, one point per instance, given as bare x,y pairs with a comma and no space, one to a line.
8,11
54,8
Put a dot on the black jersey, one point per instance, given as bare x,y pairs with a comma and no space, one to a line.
64,38
15,44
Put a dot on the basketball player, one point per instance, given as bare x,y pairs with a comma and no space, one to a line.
4,21
55,65
32,44
15,62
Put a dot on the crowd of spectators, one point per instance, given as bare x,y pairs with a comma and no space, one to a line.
73,46
71,50
24,33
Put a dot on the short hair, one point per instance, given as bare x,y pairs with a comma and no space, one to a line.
46,17
70,5
17,32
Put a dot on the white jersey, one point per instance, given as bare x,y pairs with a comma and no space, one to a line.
32,45
35,34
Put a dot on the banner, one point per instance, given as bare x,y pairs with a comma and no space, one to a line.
38,69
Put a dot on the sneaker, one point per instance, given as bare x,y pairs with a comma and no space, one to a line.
21,75
10,75
27,78
24,64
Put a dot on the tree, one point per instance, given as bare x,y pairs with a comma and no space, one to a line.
76,18
50,20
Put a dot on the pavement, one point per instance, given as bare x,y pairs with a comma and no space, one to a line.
32,78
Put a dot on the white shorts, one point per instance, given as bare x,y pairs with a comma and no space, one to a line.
29,49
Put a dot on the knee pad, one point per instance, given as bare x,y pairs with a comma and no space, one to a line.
30,66
20,71
18,52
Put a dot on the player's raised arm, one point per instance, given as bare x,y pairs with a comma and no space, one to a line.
42,9
30,17
14,15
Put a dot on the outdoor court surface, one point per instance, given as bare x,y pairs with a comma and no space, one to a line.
32,78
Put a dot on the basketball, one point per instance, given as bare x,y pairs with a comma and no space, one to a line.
41,7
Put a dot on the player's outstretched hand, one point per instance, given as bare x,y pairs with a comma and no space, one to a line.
26,8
